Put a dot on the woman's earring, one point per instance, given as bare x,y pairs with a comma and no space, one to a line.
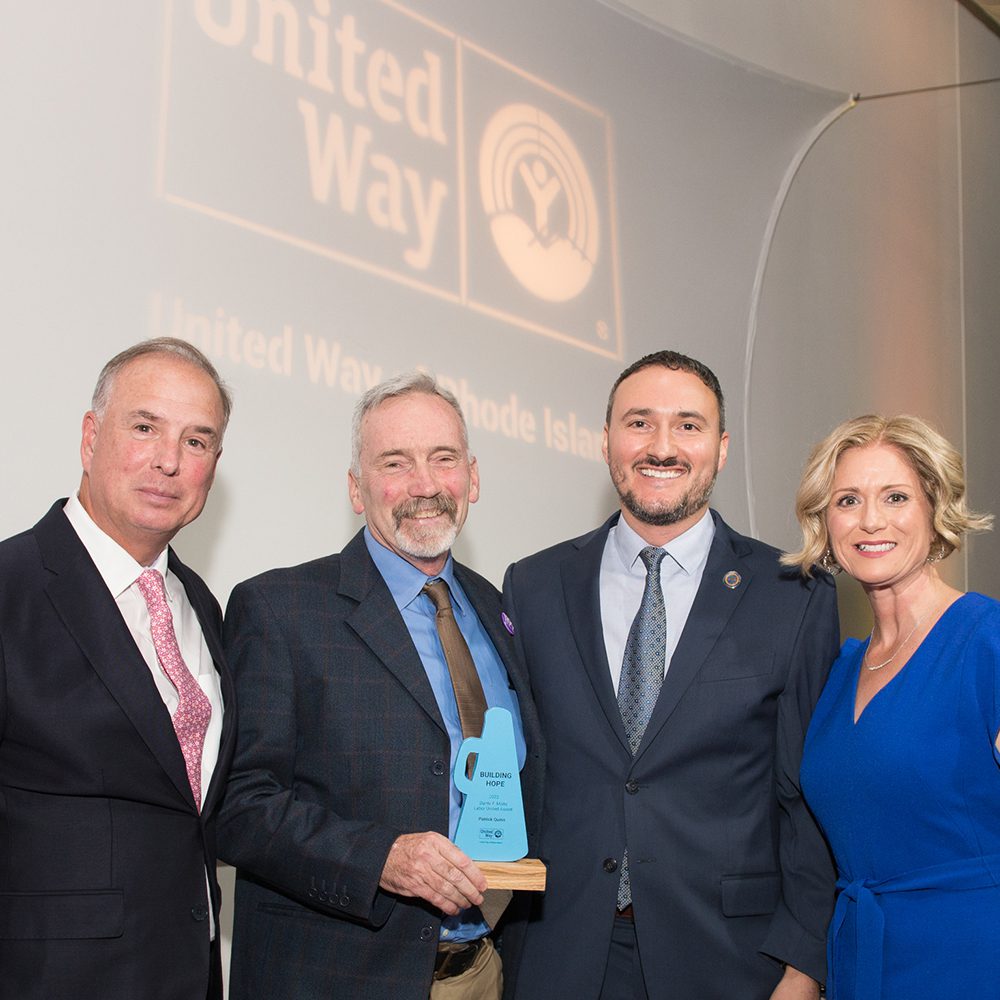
829,563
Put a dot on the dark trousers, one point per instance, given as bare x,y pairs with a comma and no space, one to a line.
623,975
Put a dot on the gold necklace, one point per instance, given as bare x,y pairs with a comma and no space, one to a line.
885,663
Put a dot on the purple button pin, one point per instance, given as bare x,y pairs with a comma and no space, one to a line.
507,623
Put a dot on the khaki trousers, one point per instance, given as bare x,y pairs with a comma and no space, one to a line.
483,980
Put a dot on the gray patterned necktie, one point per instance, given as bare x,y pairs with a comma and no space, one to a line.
645,652
642,673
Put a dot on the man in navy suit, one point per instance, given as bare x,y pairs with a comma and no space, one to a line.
341,799
682,861
111,758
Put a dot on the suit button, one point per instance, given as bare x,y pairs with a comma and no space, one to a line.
199,912
344,900
426,933
610,865
313,892
632,787
322,897
438,767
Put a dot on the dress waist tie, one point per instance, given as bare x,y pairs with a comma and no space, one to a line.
967,873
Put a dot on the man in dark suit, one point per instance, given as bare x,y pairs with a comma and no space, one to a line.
682,861
112,758
341,799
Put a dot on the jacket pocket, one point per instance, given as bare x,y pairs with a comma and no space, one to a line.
29,916
750,895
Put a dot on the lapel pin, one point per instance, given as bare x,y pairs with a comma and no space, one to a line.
507,623
732,579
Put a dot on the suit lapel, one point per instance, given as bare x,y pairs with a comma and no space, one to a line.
713,606
487,608
378,623
94,621
486,604
581,577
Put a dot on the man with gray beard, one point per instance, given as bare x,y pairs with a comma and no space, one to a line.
674,666
341,802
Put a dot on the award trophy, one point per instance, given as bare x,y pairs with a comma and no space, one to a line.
491,826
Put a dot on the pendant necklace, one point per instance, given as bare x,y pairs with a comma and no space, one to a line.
885,663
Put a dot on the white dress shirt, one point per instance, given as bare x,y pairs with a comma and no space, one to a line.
623,580
120,572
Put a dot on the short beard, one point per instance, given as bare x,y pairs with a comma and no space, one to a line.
427,542
662,514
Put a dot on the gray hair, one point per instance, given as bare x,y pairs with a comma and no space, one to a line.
159,345
399,385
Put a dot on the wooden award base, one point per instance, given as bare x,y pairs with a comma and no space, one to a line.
526,874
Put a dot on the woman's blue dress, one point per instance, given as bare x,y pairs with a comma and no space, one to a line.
909,799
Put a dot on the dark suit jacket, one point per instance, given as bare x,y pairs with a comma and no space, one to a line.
341,749
724,858
102,869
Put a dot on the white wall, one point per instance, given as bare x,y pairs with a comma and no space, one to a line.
880,293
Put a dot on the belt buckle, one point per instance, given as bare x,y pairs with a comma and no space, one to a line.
454,961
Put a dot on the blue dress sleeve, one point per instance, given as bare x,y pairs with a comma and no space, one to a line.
983,651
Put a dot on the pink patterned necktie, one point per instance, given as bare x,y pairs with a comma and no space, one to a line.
194,709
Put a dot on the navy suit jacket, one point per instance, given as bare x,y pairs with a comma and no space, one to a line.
341,749
102,871
727,865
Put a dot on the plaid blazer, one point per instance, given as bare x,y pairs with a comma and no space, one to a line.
341,749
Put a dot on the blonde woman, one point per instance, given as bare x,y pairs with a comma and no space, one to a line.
901,763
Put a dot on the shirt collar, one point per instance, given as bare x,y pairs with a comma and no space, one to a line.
404,580
688,550
117,568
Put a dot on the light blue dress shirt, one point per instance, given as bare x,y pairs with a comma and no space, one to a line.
405,583
623,580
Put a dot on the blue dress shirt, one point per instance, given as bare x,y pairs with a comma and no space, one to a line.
405,583
623,579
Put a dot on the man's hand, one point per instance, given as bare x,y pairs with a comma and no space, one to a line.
796,985
432,867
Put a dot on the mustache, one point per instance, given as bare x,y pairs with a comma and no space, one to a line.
662,463
441,504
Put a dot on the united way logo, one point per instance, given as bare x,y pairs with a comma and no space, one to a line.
538,226
431,161
540,203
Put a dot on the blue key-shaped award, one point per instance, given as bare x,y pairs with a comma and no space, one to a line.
491,825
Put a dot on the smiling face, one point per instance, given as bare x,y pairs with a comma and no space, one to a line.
664,450
416,478
149,459
879,518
